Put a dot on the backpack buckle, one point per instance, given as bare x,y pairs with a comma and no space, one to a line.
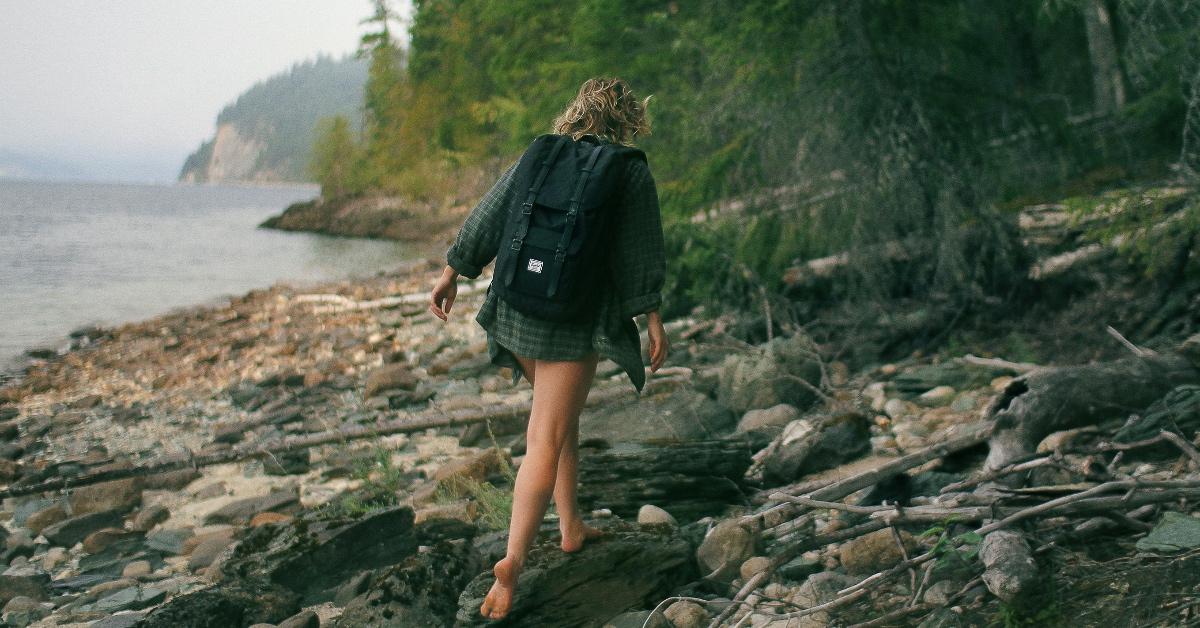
527,207
516,244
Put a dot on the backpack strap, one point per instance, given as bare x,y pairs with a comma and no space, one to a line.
572,211
527,206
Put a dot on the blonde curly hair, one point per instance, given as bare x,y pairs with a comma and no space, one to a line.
604,107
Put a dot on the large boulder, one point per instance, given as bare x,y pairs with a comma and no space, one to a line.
680,414
784,370
626,568
313,558
816,443
230,604
420,590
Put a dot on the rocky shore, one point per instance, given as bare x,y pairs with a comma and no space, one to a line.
343,458
368,216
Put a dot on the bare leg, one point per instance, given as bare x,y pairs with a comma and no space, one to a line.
566,484
566,490
559,392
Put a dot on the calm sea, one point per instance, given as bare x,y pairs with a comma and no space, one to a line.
73,254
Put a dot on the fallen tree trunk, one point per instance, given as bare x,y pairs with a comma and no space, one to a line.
689,479
1051,399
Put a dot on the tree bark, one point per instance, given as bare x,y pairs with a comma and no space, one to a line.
1108,83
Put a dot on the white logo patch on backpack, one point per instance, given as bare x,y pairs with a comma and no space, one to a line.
535,265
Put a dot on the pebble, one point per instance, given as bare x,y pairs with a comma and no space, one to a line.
650,514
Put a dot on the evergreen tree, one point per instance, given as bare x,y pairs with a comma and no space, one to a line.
335,158
385,99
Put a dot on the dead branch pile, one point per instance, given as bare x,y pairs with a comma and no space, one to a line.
1067,460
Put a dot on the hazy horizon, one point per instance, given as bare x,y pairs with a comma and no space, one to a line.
124,91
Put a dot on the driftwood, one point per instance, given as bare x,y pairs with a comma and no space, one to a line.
786,510
409,423
1048,400
1063,262
326,303
790,513
1082,502
997,363
1005,554
1041,400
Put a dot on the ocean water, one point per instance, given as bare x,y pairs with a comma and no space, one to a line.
74,254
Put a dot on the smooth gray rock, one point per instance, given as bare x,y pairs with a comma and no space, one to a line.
726,547
169,541
132,598
122,620
816,443
770,374
1175,532
74,529
240,512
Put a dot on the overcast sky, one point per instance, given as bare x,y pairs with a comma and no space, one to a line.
125,89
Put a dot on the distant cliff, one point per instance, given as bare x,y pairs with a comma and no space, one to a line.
267,133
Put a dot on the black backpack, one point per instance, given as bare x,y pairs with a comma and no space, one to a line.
551,263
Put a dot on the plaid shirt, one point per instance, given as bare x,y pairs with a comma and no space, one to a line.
637,269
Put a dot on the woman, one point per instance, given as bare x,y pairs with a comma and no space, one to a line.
559,359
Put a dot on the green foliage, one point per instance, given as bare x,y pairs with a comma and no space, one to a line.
336,159
890,131
494,504
381,483
385,100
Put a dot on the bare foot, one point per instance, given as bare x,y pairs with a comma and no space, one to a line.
499,598
573,535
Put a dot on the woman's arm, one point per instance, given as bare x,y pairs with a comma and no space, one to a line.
476,244
638,263
478,240
659,345
638,260
442,298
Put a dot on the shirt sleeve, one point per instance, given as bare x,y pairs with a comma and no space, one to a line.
478,240
638,260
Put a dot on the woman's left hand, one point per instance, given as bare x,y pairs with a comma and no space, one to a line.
444,292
